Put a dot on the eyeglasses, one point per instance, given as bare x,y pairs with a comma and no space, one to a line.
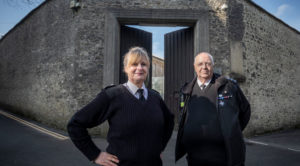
208,64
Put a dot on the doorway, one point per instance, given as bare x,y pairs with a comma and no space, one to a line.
172,64
197,20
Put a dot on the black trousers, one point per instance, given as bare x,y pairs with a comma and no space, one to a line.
196,162
154,162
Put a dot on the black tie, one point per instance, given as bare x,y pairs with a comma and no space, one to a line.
202,87
141,93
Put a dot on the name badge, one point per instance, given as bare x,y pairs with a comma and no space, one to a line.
221,97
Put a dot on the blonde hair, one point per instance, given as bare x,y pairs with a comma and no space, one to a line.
135,54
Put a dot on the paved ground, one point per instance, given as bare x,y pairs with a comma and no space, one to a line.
21,145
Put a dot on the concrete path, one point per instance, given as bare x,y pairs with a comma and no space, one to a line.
27,143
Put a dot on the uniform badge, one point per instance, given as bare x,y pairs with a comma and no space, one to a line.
221,103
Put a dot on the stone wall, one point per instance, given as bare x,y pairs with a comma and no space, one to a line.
52,63
271,62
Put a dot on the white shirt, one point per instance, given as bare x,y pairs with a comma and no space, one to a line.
200,83
133,89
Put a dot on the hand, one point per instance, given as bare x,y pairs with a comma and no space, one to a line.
106,159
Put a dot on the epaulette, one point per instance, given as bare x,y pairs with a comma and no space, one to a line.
155,91
110,86
113,90
183,86
231,79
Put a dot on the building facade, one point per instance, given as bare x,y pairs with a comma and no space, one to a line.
158,75
60,56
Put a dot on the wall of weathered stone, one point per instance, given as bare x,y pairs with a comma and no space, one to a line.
52,62
271,61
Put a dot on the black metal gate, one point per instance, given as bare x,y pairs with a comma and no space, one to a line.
131,37
179,57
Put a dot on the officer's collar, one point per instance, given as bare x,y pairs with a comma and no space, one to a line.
217,79
188,87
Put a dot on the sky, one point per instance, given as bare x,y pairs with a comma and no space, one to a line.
158,37
12,11
286,10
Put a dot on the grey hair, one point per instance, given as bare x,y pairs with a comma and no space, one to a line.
209,55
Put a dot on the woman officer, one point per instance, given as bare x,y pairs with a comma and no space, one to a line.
140,124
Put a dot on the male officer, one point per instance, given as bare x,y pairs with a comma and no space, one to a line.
214,115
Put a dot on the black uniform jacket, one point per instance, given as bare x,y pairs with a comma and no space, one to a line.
128,123
234,114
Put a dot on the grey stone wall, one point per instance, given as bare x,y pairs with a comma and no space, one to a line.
271,62
52,63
